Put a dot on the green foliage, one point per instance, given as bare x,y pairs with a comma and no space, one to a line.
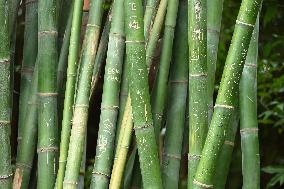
278,175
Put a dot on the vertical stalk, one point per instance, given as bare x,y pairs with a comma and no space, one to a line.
248,117
149,15
5,99
27,146
29,58
227,94
81,106
139,94
214,18
197,95
70,89
47,94
110,99
177,100
158,96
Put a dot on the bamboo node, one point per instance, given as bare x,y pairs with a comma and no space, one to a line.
105,107
202,184
30,1
179,81
47,94
16,92
62,161
4,122
117,35
198,75
2,177
213,30
230,143
251,65
223,106
144,126
172,156
159,115
70,182
47,32
124,146
47,149
170,26
23,165
81,106
244,23
134,41
249,130
194,157
94,26
100,173
27,70
19,138
5,61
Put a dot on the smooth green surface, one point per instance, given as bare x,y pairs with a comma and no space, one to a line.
176,106
70,89
227,94
197,84
5,99
248,117
81,106
110,99
139,93
149,16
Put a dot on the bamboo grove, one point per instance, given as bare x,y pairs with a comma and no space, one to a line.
149,69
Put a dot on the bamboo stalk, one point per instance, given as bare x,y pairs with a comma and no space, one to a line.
82,168
110,99
227,94
29,58
149,16
139,94
248,115
81,105
47,94
5,99
70,89
27,146
158,95
197,87
214,18
176,107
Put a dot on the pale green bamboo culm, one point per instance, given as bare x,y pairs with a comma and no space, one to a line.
176,106
139,93
47,94
149,15
197,83
5,99
248,117
110,99
81,106
227,94
70,89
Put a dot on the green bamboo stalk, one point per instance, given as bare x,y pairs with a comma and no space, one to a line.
47,95
139,94
149,16
214,18
227,94
197,87
80,116
248,115
158,96
27,146
83,167
62,68
224,159
101,53
5,99
155,32
29,58
176,106
110,99
124,140
70,89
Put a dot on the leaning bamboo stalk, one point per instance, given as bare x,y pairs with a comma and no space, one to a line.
149,16
27,146
29,58
248,117
158,95
70,89
110,99
214,18
5,99
227,94
197,86
81,106
47,94
139,93
176,107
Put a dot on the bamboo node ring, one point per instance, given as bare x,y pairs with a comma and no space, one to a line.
47,149
5,61
244,23
113,108
4,122
172,156
198,75
134,41
202,184
23,165
70,182
47,32
2,177
94,26
230,143
249,130
223,106
194,157
144,126
47,94
100,173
